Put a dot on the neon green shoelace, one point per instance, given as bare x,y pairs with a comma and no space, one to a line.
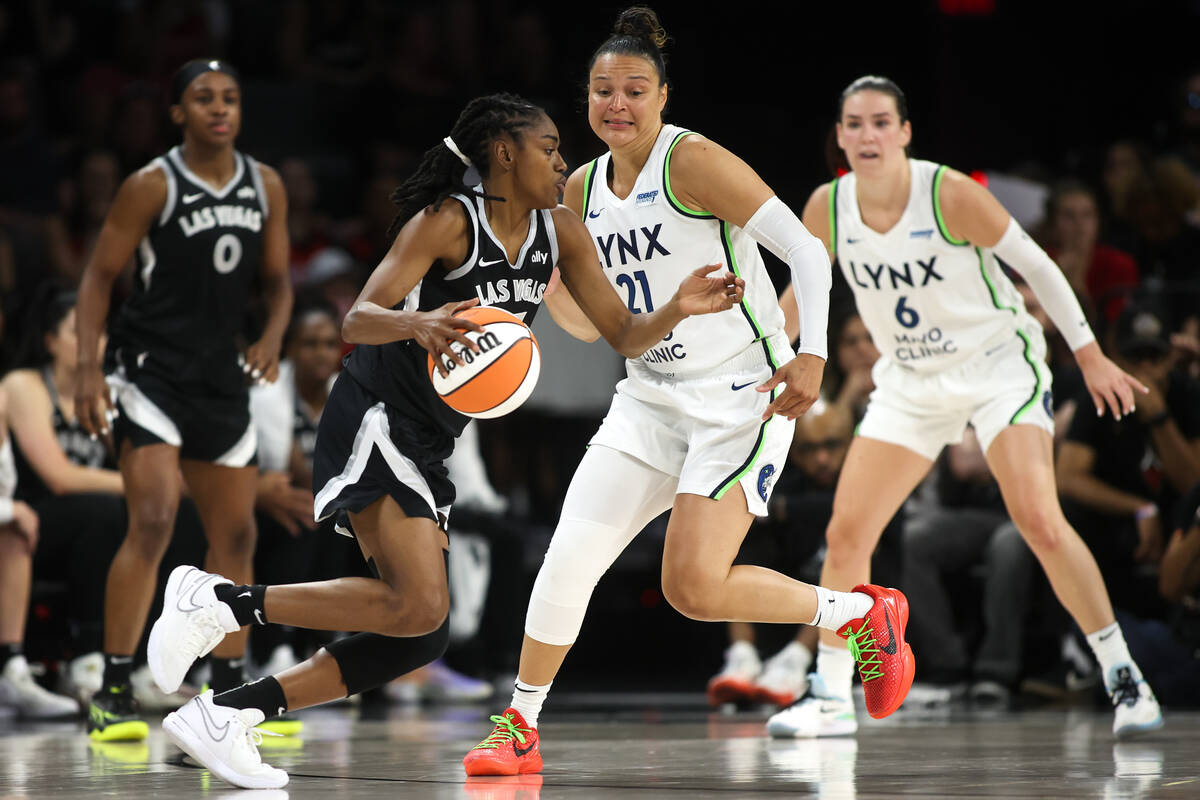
504,733
865,652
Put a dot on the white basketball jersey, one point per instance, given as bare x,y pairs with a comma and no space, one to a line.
930,301
649,241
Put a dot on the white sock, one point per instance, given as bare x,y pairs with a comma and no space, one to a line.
835,609
1108,644
528,699
835,665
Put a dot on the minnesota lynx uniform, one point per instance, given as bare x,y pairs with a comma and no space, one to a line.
688,406
384,429
956,343
172,359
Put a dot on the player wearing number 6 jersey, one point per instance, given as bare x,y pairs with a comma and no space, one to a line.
206,223
700,426
921,247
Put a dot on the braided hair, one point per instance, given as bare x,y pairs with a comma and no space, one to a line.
441,173
636,32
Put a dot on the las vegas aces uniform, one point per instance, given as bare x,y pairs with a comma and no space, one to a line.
956,343
173,354
384,429
688,406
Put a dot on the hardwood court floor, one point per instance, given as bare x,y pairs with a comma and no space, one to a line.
661,751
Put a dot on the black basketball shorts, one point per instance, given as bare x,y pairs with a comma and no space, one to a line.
203,424
367,449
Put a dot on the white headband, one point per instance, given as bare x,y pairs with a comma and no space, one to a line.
454,149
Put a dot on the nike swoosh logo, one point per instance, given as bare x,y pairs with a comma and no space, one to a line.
211,724
594,214
890,647
191,198
1105,637
736,387
853,241
522,751
489,263
244,594
258,616
994,349
200,584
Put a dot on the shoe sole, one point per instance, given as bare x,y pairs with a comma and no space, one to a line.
729,691
282,727
778,699
839,728
131,731
1133,731
477,769
181,735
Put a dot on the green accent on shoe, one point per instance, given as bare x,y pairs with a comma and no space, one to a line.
504,733
282,726
865,652
105,726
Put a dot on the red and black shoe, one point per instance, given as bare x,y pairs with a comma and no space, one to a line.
511,749
885,661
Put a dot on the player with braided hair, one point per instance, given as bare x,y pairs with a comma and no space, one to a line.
384,434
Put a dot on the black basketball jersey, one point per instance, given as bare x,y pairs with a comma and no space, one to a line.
80,448
397,372
195,270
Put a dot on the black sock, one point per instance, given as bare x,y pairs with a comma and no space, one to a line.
7,651
117,670
246,602
226,674
265,694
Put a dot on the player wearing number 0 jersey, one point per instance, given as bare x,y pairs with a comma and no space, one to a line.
206,223
921,246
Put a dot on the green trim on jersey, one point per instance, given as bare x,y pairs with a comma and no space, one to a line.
1037,384
833,187
727,244
1028,351
748,465
671,198
588,178
937,208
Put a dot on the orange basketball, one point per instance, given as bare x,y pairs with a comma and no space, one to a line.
497,379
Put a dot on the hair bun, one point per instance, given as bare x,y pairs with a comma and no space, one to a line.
641,22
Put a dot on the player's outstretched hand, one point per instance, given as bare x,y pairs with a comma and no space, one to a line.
699,294
1109,385
435,330
802,379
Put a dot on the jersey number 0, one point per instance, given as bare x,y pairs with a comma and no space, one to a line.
227,253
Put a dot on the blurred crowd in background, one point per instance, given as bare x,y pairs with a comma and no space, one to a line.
343,97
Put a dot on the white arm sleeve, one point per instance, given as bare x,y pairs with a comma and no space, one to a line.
1022,253
777,228
8,481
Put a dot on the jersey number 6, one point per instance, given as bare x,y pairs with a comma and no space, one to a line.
905,315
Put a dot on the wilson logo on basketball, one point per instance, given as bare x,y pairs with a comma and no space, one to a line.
500,376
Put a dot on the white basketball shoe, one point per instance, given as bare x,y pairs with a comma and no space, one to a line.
815,714
20,692
225,740
192,623
1136,707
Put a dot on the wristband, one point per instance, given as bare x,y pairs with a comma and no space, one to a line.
6,510
1159,419
1146,512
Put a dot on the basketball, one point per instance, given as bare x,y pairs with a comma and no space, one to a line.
497,379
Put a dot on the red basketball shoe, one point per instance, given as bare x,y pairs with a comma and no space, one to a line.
511,749
885,661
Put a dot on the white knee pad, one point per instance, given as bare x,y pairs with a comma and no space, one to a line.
579,554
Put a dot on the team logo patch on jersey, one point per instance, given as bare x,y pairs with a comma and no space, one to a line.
647,198
766,476
1048,403
246,192
927,233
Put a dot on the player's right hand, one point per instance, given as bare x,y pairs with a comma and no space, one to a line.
93,404
435,331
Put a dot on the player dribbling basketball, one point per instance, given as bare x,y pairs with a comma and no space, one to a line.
384,434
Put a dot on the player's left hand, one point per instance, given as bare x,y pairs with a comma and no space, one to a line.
802,376
261,361
699,294
1109,385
